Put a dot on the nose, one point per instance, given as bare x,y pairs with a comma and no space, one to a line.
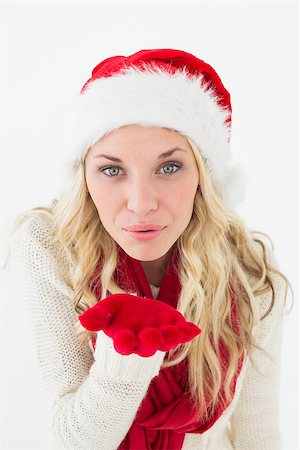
142,197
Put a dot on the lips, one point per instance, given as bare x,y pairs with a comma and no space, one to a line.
144,227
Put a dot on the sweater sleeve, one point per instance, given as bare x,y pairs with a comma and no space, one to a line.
255,420
92,402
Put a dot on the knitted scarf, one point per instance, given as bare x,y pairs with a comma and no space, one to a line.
166,412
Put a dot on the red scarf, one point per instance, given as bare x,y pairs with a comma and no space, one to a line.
166,412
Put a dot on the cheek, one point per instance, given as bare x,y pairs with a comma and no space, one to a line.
101,198
184,196
104,203
96,190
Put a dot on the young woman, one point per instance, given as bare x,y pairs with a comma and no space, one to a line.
149,214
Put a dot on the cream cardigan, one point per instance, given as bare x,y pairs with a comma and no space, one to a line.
92,397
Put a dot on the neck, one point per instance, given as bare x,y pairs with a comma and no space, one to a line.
155,270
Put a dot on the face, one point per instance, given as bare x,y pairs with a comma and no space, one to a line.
144,187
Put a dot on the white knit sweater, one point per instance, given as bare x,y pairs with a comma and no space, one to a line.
92,397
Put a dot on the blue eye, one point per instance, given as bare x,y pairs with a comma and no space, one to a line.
113,169
110,168
178,166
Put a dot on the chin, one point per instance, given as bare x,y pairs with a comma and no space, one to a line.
143,255
146,254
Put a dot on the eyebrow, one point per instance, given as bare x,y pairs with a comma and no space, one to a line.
163,155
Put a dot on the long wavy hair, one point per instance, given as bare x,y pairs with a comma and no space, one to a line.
215,250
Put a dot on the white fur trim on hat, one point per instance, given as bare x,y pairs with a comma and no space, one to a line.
157,98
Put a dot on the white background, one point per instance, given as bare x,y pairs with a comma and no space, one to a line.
48,52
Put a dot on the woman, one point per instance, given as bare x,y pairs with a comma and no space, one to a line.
149,212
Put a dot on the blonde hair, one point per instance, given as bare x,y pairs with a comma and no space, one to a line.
216,250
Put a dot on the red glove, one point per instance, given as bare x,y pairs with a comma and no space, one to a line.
139,325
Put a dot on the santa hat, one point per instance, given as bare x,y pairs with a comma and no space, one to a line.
164,88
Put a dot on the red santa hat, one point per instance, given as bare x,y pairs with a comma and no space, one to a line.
164,88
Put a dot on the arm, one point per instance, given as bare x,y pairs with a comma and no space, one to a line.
255,421
91,403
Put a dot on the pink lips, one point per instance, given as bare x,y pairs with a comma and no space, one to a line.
141,232
144,227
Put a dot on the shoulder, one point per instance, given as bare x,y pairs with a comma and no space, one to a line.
272,267
271,303
34,243
36,228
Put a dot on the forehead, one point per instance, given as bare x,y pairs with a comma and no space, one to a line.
129,136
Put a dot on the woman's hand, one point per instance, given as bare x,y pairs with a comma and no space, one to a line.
139,325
